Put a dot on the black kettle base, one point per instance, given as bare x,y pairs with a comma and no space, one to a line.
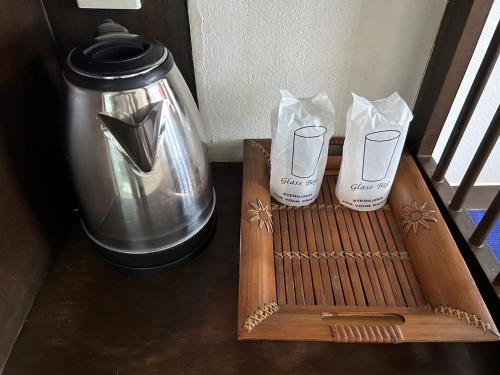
149,263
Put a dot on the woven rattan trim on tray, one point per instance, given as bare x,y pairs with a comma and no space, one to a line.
325,272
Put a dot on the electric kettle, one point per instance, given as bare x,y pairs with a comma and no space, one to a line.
138,158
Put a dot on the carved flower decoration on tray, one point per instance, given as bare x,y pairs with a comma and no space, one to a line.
417,215
260,213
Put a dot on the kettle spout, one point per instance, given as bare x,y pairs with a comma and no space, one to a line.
137,134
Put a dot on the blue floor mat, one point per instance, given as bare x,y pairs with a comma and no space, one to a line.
493,239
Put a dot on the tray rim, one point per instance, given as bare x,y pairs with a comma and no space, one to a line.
456,310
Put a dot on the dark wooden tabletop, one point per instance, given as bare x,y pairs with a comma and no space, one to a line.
89,319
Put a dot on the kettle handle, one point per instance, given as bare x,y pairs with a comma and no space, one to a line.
108,26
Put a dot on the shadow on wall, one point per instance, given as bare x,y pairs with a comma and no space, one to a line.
226,151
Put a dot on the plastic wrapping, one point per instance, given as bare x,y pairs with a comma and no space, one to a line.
300,138
374,139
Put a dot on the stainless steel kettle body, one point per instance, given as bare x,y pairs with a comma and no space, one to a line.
139,163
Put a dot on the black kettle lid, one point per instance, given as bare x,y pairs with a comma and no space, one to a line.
117,60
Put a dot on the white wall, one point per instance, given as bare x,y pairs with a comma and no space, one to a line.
246,50
485,109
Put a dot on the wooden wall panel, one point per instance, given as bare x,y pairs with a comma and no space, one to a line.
164,20
35,192
32,172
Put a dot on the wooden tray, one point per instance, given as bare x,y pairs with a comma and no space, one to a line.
327,273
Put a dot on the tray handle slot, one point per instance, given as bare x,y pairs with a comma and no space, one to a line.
364,328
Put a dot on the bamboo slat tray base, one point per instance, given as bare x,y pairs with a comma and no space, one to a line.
327,273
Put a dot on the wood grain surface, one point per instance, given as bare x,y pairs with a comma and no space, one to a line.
89,319
33,179
360,263
444,277
251,299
